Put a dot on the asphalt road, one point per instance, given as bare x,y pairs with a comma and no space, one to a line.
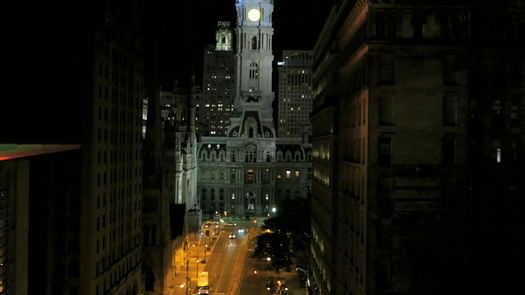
224,265
230,265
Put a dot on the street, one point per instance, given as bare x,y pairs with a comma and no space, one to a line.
229,263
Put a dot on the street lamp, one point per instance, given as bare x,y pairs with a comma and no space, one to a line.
197,270
307,275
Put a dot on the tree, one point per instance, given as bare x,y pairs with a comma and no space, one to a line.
276,247
290,226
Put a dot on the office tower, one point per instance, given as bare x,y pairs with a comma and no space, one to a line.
389,146
216,106
295,93
418,148
87,89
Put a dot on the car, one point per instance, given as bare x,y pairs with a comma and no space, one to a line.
203,290
241,230
281,286
270,285
232,236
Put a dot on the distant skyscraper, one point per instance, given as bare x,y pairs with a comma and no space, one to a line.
295,93
216,105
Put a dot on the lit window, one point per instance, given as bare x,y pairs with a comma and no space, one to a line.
288,174
498,155
297,173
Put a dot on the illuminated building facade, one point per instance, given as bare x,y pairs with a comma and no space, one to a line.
178,119
295,93
248,171
215,107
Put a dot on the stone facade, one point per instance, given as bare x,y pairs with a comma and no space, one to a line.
248,171
178,116
401,93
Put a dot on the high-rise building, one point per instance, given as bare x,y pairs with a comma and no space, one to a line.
415,151
216,105
248,171
295,93
88,237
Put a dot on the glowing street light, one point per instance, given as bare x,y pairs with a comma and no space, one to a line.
274,209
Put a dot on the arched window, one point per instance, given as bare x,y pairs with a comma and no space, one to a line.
250,176
254,43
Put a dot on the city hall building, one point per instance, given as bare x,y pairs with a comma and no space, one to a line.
249,170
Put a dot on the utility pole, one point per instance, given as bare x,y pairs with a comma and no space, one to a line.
187,268
197,262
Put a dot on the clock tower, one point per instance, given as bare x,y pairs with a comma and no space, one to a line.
254,96
250,171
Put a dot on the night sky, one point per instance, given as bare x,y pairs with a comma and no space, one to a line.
48,51
190,25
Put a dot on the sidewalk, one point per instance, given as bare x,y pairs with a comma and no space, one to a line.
188,273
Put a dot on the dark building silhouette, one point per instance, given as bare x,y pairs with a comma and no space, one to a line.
78,72
23,211
418,147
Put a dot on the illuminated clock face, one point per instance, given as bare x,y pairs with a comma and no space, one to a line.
254,14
